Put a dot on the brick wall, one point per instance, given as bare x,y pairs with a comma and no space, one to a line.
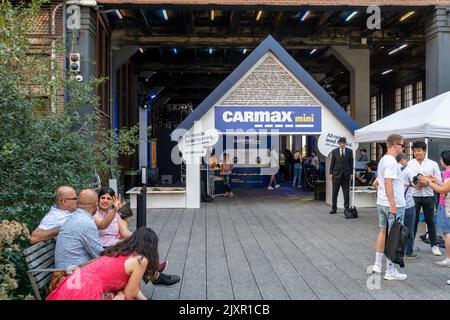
289,2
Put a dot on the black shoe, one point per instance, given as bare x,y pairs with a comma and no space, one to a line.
332,211
166,280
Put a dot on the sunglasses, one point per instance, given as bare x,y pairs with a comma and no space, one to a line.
75,198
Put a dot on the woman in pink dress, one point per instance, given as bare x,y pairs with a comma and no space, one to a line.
119,270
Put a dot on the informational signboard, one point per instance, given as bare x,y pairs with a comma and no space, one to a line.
301,119
196,143
328,141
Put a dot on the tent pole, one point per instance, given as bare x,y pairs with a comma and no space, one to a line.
426,152
356,145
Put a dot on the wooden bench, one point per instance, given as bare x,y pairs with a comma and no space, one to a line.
40,259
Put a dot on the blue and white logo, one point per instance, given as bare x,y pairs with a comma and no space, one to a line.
282,119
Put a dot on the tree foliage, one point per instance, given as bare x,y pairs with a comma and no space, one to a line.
41,150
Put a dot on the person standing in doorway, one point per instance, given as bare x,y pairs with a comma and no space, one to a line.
282,166
297,169
225,170
390,202
274,168
340,171
212,164
423,195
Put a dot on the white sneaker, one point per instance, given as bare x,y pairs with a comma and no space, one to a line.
269,188
395,275
448,281
443,263
277,186
376,269
436,251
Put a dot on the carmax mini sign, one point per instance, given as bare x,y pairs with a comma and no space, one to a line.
279,118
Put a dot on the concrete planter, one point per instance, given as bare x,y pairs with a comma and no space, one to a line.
160,197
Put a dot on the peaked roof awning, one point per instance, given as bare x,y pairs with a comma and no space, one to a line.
270,44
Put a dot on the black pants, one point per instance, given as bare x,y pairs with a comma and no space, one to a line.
343,182
427,204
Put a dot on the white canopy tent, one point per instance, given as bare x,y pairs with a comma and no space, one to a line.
428,119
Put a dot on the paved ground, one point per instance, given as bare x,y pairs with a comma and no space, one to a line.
260,245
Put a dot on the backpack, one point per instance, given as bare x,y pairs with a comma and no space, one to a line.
395,242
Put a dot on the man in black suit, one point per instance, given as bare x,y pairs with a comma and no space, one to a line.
341,169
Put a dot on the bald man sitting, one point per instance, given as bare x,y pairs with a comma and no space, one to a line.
66,203
78,241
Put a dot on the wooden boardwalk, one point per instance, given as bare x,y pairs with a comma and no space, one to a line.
259,245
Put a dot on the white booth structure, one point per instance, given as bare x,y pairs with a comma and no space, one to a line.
267,95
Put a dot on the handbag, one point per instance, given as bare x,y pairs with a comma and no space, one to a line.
351,213
395,242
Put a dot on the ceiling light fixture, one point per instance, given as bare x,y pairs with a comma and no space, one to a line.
397,49
350,16
164,12
258,15
406,16
305,15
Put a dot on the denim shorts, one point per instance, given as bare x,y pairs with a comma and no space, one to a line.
442,221
383,212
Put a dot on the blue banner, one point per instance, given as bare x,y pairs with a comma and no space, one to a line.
281,119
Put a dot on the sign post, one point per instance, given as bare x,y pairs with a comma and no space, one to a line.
141,219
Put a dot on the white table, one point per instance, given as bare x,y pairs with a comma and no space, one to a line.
365,197
164,198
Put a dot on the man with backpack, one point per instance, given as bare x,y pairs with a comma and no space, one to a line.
390,202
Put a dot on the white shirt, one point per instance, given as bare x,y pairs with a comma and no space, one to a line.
54,218
342,152
273,159
407,180
389,168
427,168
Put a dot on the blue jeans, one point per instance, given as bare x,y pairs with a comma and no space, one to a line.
297,174
409,221
227,183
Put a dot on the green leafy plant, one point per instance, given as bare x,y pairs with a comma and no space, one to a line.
41,150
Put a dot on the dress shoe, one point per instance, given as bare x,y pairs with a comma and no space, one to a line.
332,211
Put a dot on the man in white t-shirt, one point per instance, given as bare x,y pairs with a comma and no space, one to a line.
423,195
66,203
390,202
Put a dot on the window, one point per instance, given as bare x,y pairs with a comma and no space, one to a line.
419,92
380,114
103,65
398,99
408,96
347,108
373,151
373,109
